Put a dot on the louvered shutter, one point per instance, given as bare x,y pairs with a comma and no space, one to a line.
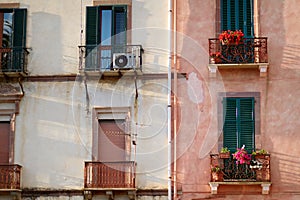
19,37
237,15
239,123
246,123
230,131
92,25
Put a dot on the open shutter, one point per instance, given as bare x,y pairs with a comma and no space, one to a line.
92,25
19,38
230,131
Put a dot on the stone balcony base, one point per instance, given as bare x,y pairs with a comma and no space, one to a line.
263,67
265,186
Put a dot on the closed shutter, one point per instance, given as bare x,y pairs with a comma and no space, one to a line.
111,140
4,142
19,38
247,123
239,123
230,131
237,15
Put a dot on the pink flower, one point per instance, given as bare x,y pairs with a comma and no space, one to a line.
242,156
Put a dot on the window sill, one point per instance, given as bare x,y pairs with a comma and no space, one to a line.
263,68
265,185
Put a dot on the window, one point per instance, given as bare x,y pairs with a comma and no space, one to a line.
12,39
237,15
105,25
239,123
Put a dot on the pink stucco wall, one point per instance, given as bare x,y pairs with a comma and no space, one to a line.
279,20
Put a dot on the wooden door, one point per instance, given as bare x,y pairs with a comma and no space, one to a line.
4,142
111,140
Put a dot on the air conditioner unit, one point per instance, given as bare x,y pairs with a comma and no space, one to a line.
124,61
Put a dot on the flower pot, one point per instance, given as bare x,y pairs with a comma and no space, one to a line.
224,155
260,156
217,176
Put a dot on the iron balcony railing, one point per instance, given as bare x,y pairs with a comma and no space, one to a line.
13,59
109,58
109,174
248,50
258,170
10,176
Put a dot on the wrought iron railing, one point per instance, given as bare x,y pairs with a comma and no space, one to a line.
13,59
10,176
109,174
107,58
257,170
248,50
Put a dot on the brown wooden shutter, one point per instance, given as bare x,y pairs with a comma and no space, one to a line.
111,140
4,142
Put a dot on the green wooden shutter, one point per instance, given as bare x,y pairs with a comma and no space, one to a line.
92,25
19,27
237,15
230,132
239,123
246,123
19,38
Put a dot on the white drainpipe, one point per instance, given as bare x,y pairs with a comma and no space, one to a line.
169,100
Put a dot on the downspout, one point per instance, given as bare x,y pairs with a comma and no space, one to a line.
175,99
169,100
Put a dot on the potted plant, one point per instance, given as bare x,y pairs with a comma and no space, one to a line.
260,153
216,173
215,57
242,156
224,153
231,37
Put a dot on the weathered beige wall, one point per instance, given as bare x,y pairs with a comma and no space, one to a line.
279,91
54,130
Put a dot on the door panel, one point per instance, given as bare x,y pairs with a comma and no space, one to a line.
4,142
111,140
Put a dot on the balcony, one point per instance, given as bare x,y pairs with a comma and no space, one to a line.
113,175
107,59
248,53
257,172
10,176
13,61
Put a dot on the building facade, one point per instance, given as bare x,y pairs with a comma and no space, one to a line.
84,97
248,95
137,99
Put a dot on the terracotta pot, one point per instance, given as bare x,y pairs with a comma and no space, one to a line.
224,155
217,176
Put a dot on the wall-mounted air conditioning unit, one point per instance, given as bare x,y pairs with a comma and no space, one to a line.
124,61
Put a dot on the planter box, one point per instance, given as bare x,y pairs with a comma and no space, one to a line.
224,155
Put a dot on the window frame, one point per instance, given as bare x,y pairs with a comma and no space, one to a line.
257,107
111,113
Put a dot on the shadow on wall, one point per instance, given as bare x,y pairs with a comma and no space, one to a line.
46,55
